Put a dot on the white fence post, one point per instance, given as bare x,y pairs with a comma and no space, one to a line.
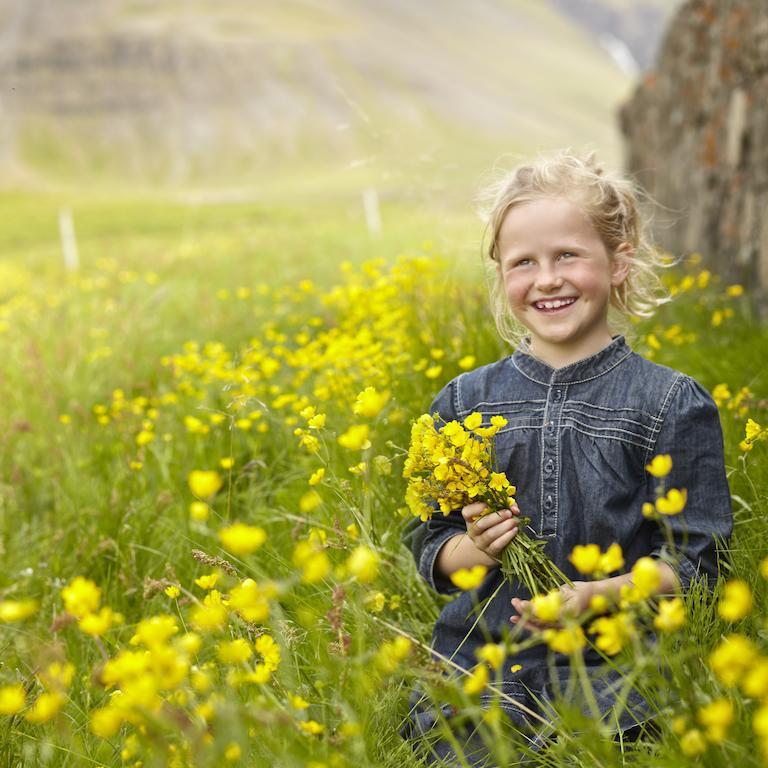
372,212
68,240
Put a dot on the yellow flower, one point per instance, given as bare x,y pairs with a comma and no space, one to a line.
732,658
311,727
736,603
673,503
370,403
649,510
764,568
317,476
671,615
233,752
547,607
251,600
693,743
144,437
498,481
211,615
313,561
760,721
755,682
375,602
173,591
57,675
12,699
716,717
269,651
515,668
469,578
660,465
234,652
585,558
96,624
45,707
473,421
310,501
16,610
242,539
467,362
199,510
207,581
297,702
492,654
204,483
227,462
476,680
568,640
734,290
646,576
613,632
355,438
612,559
81,597
155,630
363,564
752,430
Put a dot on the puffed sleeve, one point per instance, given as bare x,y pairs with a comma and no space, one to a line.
426,538
691,434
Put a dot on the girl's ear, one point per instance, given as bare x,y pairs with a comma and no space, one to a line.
621,263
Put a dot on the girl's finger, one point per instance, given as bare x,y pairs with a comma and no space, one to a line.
486,522
489,537
498,545
472,511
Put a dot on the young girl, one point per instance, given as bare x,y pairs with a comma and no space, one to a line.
585,415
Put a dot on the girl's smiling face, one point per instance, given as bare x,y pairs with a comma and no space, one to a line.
558,276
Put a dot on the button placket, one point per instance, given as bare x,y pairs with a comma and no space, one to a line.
549,459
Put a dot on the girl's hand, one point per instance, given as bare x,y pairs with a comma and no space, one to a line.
575,600
492,531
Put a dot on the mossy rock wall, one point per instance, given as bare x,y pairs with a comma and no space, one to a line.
696,137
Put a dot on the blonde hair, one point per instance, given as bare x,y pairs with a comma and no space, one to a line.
612,204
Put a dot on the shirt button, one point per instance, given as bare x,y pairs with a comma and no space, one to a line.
558,394
549,466
548,502
551,426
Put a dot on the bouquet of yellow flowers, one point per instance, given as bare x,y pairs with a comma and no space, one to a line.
453,465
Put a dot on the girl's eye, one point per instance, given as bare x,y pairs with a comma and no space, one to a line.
520,263
567,254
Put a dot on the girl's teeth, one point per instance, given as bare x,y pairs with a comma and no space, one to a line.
554,304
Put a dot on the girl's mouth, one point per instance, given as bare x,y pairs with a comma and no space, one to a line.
551,306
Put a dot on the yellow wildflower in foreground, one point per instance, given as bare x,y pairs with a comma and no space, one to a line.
646,576
363,564
568,640
585,558
736,603
732,658
469,578
81,597
492,654
370,403
476,680
45,707
716,717
312,560
673,503
660,465
612,632
355,438
16,610
204,483
242,539
11,699
693,743
671,615
547,607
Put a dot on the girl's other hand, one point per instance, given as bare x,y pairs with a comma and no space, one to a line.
575,600
490,532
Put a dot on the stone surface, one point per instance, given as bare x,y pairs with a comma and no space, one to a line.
696,137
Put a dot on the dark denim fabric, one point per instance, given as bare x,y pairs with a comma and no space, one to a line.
576,445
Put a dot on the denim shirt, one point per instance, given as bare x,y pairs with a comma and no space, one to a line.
576,444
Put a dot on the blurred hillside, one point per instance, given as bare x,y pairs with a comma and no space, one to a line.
236,92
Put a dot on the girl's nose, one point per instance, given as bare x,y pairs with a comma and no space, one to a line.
547,278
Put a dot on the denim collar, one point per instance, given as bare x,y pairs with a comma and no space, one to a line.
582,370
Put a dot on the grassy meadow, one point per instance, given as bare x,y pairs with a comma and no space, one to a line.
201,507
